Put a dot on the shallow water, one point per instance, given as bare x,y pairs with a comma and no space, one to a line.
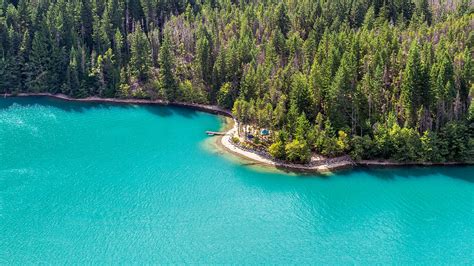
135,184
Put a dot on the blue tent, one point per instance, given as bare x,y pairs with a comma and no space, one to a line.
264,132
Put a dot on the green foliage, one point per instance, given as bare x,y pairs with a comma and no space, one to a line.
281,18
140,60
225,97
204,54
40,67
302,127
342,142
301,96
406,144
430,151
107,74
235,140
361,147
297,151
191,93
456,142
415,88
277,149
167,78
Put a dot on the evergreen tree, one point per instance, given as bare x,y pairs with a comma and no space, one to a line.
415,86
140,52
86,23
40,62
72,79
168,81
301,95
204,54
281,18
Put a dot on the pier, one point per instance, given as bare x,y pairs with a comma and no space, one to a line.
215,133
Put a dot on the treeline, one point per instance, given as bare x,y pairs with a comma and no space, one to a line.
373,78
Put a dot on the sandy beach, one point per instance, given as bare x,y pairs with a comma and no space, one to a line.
325,166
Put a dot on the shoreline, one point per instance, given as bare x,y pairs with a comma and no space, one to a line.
93,99
325,167
224,142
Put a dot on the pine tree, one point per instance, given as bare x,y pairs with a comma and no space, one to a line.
281,18
117,46
302,127
24,15
86,23
100,34
301,95
8,76
40,62
140,52
166,60
107,74
415,85
341,92
423,9
23,60
72,77
204,54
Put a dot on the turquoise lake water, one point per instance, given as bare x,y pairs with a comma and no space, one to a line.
137,184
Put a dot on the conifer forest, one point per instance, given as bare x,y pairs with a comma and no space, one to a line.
373,79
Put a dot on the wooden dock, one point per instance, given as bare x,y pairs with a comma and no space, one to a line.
215,133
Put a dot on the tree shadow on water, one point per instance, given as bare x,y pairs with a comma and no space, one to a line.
80,106
460,172
185,112
161,111
307,173
64,105
167,110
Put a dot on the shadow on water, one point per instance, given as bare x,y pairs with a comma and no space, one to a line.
185,112
64,105
48,102
161,111
460,172
164,111
80,107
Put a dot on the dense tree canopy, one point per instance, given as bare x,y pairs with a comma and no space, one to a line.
375,79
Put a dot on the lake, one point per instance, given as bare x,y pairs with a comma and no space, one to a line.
101,183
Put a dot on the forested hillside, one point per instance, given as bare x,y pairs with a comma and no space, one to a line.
388,79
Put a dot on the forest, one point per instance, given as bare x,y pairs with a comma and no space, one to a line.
375,79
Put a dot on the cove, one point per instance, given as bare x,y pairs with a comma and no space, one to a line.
103,183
